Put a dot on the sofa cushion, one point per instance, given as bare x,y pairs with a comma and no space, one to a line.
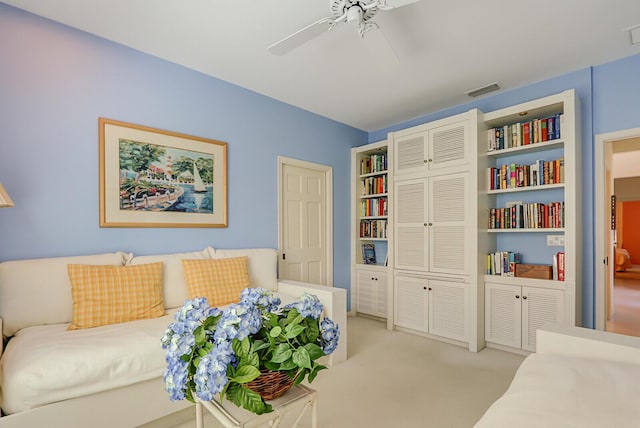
263,264
47,364
38,291
104,295
174,288
221,281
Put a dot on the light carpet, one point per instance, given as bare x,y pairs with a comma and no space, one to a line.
397,379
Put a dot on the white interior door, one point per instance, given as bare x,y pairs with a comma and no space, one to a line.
305,226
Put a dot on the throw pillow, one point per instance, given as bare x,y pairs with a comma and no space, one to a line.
221,281
104,294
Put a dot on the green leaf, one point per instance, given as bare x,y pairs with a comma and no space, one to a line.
301,358
259,345
275,331
241,347
253,359
314,350
287,365
245,374
313,330
315,371
281,353
199,335
293,330
272,366
252,401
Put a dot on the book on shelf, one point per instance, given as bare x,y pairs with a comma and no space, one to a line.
561,265
524,133
502,263
373,163
534,215
539,173
368,253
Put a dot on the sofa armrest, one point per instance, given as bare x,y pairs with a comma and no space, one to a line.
334,301
586,343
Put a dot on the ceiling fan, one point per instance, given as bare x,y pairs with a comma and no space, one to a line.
354,12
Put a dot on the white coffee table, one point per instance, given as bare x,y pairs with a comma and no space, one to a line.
293,405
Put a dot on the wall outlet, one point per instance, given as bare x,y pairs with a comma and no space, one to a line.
555,240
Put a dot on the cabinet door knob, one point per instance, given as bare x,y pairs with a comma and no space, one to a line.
372,278
430,289
517,297
425,161
430,224
424,288
524,297
430,160
426,224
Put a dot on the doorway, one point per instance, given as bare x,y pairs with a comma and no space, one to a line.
305,238
617,168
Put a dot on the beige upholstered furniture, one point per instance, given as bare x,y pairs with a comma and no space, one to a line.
577,378
111,375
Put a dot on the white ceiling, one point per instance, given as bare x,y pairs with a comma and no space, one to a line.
445,47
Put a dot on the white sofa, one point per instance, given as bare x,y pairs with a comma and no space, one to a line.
577,378
108,376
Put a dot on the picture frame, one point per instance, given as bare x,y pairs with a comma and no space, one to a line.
155,178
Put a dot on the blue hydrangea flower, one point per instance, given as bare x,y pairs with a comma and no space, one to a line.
330,335
175,378
308,306
237,322
260,297
211,374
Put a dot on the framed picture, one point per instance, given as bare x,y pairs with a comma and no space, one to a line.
155,178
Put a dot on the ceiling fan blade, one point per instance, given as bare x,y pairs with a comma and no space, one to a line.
301,36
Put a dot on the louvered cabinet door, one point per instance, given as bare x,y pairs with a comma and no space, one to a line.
447,145
446,225
448,308
410,238
539,306
371,292
411,302
503,314
410,154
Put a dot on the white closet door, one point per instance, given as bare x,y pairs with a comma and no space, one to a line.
410,154
447,145
411,305
448,197
503,314
411,240
539,306
448,309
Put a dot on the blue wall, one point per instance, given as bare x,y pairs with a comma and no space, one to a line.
56,81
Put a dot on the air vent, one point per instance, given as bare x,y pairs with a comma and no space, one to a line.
483,90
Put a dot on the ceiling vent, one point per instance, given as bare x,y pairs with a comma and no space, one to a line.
483,90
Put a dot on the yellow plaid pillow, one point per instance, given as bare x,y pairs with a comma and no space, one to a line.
221,281
108,294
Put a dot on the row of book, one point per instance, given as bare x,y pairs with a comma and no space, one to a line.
373,163
373,207
374,185
524,133
373,228
537,174
502,263
534,215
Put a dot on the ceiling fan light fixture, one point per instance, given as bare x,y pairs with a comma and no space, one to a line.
483,90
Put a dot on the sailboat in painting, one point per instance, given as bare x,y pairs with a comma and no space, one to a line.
198,184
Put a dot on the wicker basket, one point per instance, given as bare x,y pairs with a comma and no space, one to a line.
271,384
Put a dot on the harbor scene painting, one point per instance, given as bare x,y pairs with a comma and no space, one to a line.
156,178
